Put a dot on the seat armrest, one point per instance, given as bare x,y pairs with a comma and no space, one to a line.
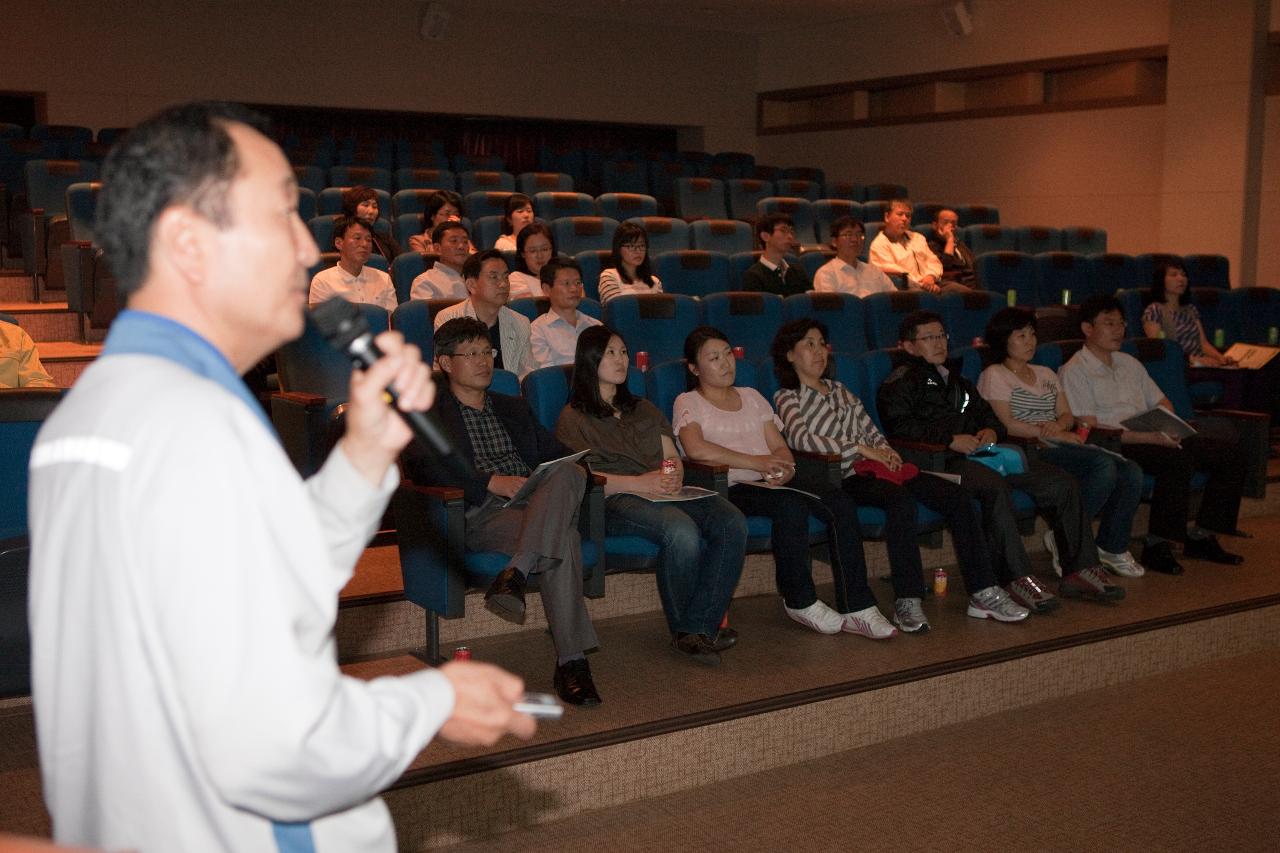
300,398
817,471
430,536
707,476
924,455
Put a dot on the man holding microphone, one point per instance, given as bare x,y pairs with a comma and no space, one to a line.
184,579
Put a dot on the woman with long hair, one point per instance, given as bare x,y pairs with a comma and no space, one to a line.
517,214
628,270
534,247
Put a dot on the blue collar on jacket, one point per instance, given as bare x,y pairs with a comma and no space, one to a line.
143,333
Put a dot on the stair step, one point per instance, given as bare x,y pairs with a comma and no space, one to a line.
44,321
15,287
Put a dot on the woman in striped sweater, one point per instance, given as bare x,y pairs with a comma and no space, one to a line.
819,414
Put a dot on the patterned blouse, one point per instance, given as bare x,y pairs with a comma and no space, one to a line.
1181,325
835,422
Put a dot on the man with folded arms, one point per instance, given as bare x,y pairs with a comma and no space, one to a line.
504,443
1106,387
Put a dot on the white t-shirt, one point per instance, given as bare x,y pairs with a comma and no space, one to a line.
372,286
741,431
523,285
1031,404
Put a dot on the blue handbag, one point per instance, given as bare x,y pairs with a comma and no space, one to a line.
1001,458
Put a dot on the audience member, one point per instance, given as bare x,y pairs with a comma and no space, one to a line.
1107,387
927,399
1029,403
553,337
485,275
534,247
776,235
20,365
1170,314
441,206
349,277
722,424
846,272
517,213
702,541
444,279
820,415
628,270
957,258
897,250
499,436
361,203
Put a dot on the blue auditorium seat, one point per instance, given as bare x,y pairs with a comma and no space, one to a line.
366,153
1208,271
666,234
308,204
311,178
592,261
486,203
70,138
411,201
625,177
799,209
662,181
1224,310
1132,303
729,236
744,194
1146,267
329,201
977,214
749,319
1001,272
1084,241
738,164
813,260
1257,311
967,314
990,238
873,212
841,313
22,411
1057,272
692,272
701,161
811,191
322,230
574,234
354,176
1035,239
805,173
700,198
622,206
420,153
925,212
741,261
654,323
425,179
406,225
846,190
486,231
884,313
82,203
478,163
827,211
883,192
532,183
485,181
405,268
1111,272
555,205
44,226
414,319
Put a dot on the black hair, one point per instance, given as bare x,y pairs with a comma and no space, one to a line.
1158,272
459,330
353,197
474,263
547,275
769,223
913,321
537,226
844,222
514,202
1099,303
437,200
1002,325
182,155
693,345
584,388
898,202
343,223
785,341
437,233
626,233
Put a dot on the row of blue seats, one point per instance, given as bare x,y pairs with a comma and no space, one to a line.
1045,279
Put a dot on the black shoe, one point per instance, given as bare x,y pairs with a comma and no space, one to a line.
726,638
1158,557
698,647
574,685
1209,549
506,595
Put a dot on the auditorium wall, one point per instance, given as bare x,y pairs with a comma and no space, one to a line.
110,62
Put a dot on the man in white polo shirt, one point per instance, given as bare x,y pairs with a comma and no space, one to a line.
349,277
846,272
444,279
553,337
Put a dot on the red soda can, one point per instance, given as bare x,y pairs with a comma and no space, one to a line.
739,353
977,341
462,653
1083,431
668,466
642,360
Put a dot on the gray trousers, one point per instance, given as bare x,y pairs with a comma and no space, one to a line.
542,537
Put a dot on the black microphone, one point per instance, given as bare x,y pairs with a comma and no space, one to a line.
344,326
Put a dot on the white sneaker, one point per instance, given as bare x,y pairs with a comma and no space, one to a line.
1052,547
819,617
1121,564
869,623
994,603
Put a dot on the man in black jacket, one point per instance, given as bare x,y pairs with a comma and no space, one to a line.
504,443
926,399
943,239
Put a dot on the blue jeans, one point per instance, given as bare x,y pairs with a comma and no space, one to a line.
702,542
1109,487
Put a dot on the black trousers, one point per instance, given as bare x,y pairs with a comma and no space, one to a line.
1173,468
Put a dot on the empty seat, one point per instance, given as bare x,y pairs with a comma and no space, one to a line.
1221,309
736,164
749,319
479,163
762,172
883,192
624,176
977,214
1034,239
311,178
365,153
1084,241
322,230
990,238
700,198
485,181
576,234
1062,273
874,211
654,323
1208,271
809,190
592,261
44,227
729,236
692,272
330,201
532,183
622,206
82,203
486,231
425,179
665,233
405,268
925,212
805,173
744,194
847,190
308,204
1257,313
967,314
554,205
413,319
1113,271
421,154
411,201
353,176
1132,304
841,313
1001,272
485,203
701,161
884,312
71,139
813,260
662,182
800,210
828,210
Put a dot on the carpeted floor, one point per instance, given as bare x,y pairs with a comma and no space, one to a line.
1185,761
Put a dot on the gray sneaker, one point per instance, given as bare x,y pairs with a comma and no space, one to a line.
994,603
908,616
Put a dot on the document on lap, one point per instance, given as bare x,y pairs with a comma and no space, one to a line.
686,493
1160,420
539,474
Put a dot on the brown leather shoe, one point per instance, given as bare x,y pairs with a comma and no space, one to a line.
698,647
506,595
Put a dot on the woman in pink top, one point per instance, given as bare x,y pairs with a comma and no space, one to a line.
722,424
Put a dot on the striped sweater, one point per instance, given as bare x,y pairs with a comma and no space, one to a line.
836,422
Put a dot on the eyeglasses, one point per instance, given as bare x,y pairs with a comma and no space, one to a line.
928,339
635,247
480,353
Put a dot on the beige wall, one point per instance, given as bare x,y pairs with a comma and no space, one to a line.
122,60
1269,218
